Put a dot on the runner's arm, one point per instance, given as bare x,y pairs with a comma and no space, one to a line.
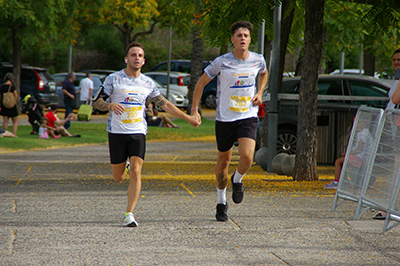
261,84
101,104
175,111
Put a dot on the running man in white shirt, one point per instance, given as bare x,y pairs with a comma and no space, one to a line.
237,107
86,89
127,92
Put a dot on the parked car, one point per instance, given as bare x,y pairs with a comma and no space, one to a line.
353,72
336,94
102,72
178,83
210,90
35,81
174,96
60,77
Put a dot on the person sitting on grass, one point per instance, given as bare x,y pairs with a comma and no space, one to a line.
154,119
58,124
6,133
45,130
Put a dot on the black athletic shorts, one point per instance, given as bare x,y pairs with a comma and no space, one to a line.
123,146
228,132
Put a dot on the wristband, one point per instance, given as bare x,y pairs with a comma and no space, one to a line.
195,109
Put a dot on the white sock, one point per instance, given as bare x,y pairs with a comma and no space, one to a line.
237,178
221,196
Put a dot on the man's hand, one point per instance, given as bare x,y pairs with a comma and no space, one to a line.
257,100
195,119
116,108
71,116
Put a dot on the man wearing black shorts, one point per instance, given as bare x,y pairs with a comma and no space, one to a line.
237,107
127,92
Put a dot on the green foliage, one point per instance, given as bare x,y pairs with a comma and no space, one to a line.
222,14
383,16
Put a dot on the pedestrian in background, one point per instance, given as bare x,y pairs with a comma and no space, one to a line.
68,88
7,113
86,89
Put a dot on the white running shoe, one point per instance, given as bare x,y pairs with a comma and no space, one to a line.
130,221
332,185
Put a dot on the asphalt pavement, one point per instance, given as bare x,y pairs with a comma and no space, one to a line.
62,207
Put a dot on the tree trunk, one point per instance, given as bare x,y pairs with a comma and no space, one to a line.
196,69
306,154
196,63
16,58
126,34
297,72
369,62
286,25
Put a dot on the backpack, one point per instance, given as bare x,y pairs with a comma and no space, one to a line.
9,100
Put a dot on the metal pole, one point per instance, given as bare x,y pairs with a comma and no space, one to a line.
273,110
169,60
361,58
341,62
69,58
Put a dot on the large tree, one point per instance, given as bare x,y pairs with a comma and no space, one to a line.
29,23
306,152
128,15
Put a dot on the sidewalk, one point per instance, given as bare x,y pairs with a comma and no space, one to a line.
61,207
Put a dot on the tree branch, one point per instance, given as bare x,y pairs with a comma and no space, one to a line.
150,31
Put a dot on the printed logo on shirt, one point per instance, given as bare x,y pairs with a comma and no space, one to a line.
130,92
241,84
131,100
240,75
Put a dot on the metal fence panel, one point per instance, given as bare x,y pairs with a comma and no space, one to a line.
358,154
382,189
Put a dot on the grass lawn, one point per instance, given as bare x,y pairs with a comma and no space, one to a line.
92,133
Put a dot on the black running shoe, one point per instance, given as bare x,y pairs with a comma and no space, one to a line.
237,191
222,210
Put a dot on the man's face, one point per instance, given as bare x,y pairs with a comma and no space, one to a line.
241,39
396,61
135,58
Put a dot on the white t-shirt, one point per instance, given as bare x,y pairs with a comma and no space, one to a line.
236,85
390,104
364,136
85,85
131,93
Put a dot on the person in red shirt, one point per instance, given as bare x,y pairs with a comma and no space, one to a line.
58,124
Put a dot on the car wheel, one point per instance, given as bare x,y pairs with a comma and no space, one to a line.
287,141
209,101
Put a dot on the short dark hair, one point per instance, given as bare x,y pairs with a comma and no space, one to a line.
133,44
53,107
88,74
9,77
241,24
397,51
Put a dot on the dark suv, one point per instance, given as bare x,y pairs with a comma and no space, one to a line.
210,90
339,97
34,81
